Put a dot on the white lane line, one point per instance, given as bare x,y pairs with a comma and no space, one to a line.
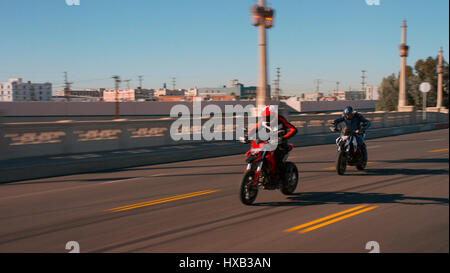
433,140
373,147
103,183
159,174
44,192
122,180
66,189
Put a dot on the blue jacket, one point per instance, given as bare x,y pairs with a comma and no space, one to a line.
357,122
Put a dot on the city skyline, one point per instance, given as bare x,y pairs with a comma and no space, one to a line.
208,43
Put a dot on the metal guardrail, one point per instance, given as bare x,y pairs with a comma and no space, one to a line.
22,140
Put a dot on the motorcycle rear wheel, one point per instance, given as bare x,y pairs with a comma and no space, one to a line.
361,166
248,192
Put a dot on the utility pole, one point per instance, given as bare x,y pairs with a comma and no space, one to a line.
363,82
262,17
174,83
67,87
116,87
140,81
318,82
337,86
128,83
277,85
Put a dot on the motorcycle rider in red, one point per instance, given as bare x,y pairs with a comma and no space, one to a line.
285,129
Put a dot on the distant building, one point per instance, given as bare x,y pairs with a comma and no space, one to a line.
372,93
17,90
236,90
88,93
250,92
144,94
219,91
191,92
349,95
339,95
355,95
223,98
329,98
167,92
120,95
170,98
313,96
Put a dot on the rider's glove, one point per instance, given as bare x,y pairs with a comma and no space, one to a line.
244,139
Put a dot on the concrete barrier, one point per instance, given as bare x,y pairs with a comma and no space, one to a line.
24,140
31,150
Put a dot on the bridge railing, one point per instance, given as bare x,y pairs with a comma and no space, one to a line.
23,140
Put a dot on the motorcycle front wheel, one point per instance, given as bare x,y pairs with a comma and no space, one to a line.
291,179
341,163
248,192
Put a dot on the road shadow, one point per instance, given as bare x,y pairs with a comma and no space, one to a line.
416,160
313,162
398,171
39,181
180,167
353,198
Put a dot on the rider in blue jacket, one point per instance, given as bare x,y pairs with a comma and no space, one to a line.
354,121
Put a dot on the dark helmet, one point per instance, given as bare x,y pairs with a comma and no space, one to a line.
348,112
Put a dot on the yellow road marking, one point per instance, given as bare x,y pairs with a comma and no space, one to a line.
334,168
338,219
163,200
438,151
324,218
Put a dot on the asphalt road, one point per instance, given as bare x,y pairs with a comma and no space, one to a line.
400,202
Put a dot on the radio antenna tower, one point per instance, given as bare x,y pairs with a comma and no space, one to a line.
277,82
67,87
128,83
363,82
318,82
174,83
140,81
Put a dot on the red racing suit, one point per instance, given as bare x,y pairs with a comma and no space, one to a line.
288,130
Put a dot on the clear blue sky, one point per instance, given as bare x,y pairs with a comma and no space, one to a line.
207,43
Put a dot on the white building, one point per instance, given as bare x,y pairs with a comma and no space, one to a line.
17,90
314,96
167,92
191,92
120,95
372,93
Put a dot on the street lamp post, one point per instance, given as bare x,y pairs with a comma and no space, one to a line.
262,17
424,87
